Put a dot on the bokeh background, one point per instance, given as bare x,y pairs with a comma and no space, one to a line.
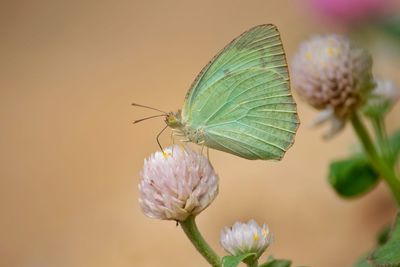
70,156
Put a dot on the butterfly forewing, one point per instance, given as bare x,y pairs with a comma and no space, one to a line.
242,98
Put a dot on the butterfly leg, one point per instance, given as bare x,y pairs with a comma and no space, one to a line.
172,138
178,134
202,147
158,136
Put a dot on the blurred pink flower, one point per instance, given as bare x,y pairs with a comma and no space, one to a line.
351,11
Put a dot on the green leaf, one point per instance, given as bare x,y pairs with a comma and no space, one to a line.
384,235
391,26
271,262
388,255
233,261
382,238
352,177
363,262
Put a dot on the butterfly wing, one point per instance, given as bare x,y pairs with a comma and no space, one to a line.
242,100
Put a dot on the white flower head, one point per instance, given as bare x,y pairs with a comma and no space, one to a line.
176,183
244,238
331,73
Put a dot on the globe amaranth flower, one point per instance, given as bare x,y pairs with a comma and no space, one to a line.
381,99
244,238
176,183
334,75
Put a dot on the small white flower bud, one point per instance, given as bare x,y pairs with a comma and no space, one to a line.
382,98
386,90
244,238
177,183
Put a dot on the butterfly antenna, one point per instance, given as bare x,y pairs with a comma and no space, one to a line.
155,116
158,136
143,106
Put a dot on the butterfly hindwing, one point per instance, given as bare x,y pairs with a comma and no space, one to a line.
242,98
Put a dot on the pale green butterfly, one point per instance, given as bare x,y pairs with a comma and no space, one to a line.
241,102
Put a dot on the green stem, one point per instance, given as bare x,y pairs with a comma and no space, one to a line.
383,141
377,162
253,264
378,133
252,261
192,232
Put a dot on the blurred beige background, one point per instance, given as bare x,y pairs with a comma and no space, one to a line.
70,157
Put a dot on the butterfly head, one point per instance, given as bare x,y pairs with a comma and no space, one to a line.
174,119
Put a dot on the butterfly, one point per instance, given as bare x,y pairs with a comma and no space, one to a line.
241,101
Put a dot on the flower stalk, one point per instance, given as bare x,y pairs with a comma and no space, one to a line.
253,263
192,232
377,162
382,140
